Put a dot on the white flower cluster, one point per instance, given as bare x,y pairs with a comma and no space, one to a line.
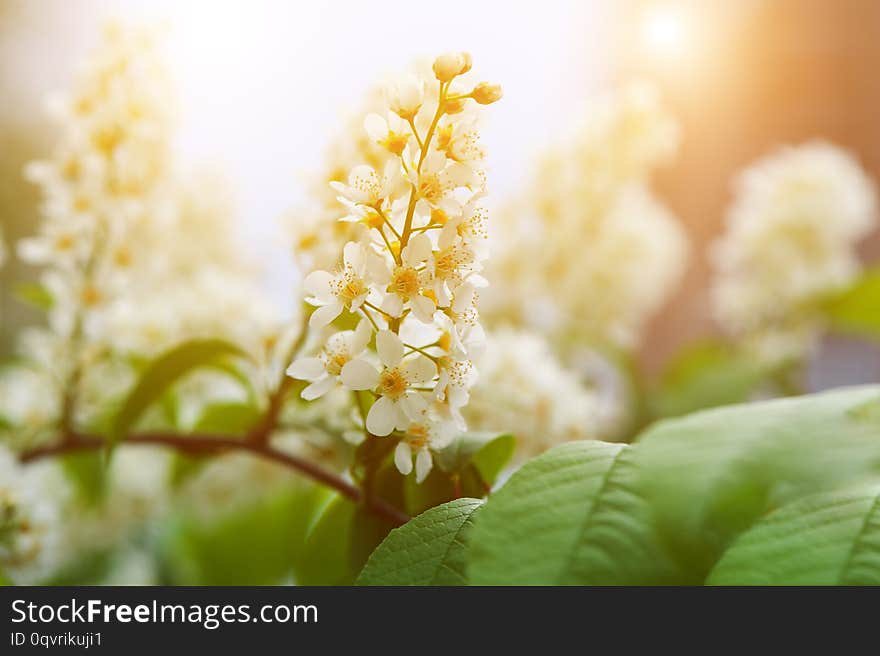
524,390
111,200
789,243
609,253
107,173
31,499
413,273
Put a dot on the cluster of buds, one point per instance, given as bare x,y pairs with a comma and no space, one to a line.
412,273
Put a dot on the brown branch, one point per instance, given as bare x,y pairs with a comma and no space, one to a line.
204,444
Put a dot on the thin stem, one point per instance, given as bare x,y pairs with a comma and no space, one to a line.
413,196
419,349
388,222
396,256
370,318
263,430
412,125
204,444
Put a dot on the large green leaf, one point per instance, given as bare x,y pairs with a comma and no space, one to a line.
857,310
574,515
339,543
256,544
711,475
163,372
428,550
705,375
825,539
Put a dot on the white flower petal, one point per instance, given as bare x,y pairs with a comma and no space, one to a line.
359,375
417,250
360,338
352,255
319,388
382,417
403,458
324,315
424,462
393,305
317,283
376,127
419,370
423,308
411,407
464,296
306,369
389,347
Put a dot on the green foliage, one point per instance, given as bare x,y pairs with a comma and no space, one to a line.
162,373
87,473
705,375
825,539
711,475
775,492
429,550
857,310
339,543
574,515
228,418
258,544
35,295
488,453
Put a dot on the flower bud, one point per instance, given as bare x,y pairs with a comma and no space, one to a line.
451,65
454,106
485,93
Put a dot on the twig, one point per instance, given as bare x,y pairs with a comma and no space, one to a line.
205,444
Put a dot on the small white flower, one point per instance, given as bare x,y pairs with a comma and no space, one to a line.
324,370
428,434
406,95
405,281
393,134
347,289
398,403
368,187
436,181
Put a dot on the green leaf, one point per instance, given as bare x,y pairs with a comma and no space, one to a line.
428,550
325,558
857,310
163,372
339,544
257,544
825,539
488,452
35,295
88,474
572,516
229,418
711,475
705,375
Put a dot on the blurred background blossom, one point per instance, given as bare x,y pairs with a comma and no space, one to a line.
683,197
